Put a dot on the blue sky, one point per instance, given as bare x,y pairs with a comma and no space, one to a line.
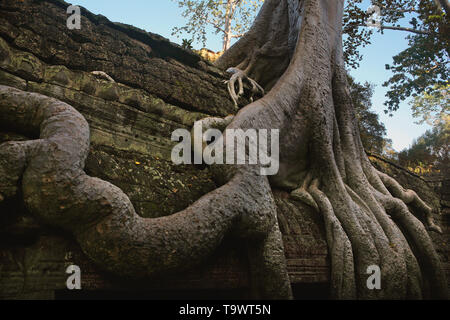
160,16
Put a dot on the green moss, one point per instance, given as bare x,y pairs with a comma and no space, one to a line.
107,91
87,84
131,97
28,66
59,75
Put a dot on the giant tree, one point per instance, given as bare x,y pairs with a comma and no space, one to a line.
293,50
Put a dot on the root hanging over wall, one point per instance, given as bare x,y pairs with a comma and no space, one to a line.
49,173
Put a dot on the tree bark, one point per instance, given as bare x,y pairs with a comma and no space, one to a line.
229,16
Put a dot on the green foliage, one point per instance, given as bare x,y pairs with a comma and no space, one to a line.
187,44
424,63
420,71
433,107
432,148
429,151
372,131
356,35
230,18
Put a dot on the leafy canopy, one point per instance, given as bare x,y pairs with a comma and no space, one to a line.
431,150
424,63
433,107
372,130
201,14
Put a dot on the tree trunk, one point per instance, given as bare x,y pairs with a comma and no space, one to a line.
231,5
365,212
294,50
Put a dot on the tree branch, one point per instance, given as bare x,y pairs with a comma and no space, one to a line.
401,29
406,29
215,25
238,35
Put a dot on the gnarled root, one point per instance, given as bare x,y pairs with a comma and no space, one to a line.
302,194
13,157
103,75
239,76
410,197
102,218
421,243
392,245
343,284
203,125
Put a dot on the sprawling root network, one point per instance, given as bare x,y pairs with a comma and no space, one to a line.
368,222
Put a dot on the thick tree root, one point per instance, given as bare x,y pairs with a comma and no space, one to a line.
13,158
302,194
202,126
343,284
410,197
101,217
420,242
103,75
